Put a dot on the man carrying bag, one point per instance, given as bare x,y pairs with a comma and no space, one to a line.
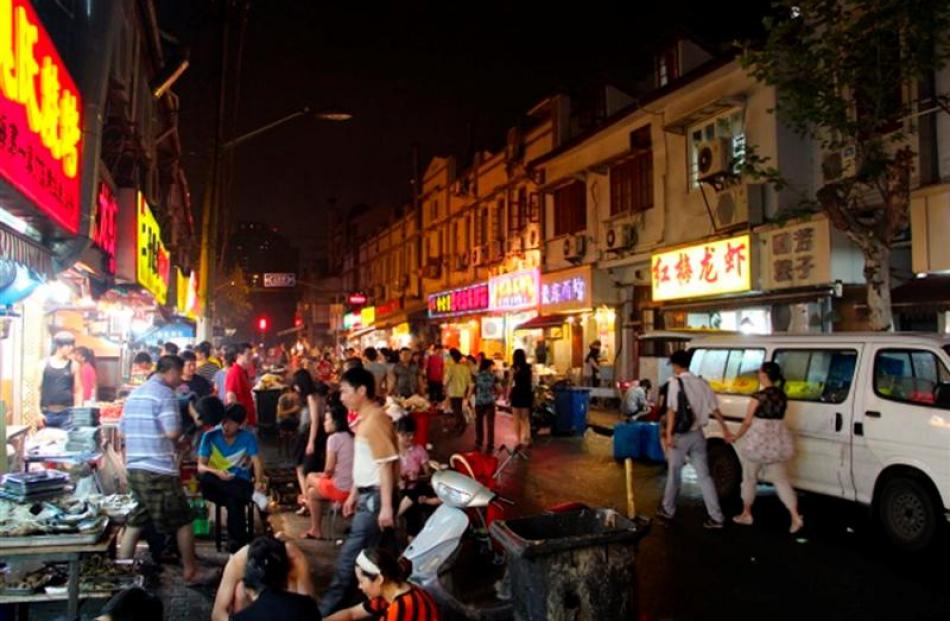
690,402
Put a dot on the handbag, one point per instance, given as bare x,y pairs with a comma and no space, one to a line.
768,441
685,418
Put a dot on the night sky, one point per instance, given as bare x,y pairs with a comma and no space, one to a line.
412,72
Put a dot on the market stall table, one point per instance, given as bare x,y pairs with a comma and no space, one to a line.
53,553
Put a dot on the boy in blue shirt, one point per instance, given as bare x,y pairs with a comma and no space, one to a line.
225,458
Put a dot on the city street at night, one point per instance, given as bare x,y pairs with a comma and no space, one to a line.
474,312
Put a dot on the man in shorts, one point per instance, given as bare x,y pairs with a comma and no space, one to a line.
150,425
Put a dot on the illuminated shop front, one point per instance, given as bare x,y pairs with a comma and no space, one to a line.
577,307
514,298
460,313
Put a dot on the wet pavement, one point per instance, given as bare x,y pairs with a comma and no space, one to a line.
837,568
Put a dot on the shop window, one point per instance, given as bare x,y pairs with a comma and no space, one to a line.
570,208
909,376
817,374
729,125
729,371
631,181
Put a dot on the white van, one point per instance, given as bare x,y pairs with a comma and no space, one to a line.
870,413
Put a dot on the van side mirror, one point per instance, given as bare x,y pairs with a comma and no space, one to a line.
942,396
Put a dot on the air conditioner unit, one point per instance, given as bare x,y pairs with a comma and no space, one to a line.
738,204
620,237
478,255
714,157
574,247
515,244
839,165
461,261
532,236
496,250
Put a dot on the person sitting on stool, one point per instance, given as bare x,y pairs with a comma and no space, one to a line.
224,459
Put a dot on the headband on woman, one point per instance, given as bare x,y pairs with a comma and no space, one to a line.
366,565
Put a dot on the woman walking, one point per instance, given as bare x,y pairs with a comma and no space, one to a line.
458,386
768,444
310,450
521,397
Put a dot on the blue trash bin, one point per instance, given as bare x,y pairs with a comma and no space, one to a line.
570,411
627,442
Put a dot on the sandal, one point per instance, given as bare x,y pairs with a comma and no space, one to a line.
312,537
303,511
797,526
742,519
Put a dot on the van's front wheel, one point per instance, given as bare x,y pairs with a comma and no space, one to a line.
908,513
726,471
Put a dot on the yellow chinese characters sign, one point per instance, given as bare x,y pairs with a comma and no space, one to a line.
152,266
187,294
368,316
712,268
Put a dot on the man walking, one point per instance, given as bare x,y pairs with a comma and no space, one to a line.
702,401
375,473
435,373
237,382
404,376
150,425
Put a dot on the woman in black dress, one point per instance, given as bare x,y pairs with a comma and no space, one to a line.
521,397
310,451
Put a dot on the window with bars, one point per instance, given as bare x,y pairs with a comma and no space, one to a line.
631,181
518,212
498,222
729,125
570,208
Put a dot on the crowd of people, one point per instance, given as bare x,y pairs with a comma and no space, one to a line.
348,450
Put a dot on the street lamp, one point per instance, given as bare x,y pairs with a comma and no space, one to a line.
212,210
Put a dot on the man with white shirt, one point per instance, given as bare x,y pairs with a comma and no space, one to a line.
375,475
703,403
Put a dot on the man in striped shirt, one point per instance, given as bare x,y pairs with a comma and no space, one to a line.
150,425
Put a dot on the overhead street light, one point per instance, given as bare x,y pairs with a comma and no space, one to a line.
332,115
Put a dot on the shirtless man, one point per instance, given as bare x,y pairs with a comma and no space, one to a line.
231,597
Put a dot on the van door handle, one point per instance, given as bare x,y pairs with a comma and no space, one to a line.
872,414
839,421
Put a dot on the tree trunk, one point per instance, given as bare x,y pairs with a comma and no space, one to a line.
877,273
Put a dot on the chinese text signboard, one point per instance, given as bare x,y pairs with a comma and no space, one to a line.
280,280
797,256
567,289
459,301
40,117
186,291
712,268
105,228
388,308
152,266
351,321
368,316
514,291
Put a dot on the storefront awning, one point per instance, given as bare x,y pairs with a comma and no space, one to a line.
26,252
745,301
543,321
930,294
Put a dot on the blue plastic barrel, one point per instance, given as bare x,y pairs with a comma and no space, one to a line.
570,411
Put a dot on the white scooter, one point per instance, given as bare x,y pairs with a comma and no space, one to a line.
465,588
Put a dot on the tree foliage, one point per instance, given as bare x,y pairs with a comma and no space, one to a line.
855,76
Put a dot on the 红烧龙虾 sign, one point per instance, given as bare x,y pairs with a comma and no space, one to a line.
40,117
710,268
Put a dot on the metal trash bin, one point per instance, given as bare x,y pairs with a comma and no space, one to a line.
570,410
577,565
265,401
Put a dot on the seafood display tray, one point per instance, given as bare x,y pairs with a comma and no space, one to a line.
66,539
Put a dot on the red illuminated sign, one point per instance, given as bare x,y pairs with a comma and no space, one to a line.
388,308
459,301
40,117
356,299
105,230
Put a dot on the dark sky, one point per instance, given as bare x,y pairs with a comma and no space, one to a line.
408,72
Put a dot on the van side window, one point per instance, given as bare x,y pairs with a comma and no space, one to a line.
910,376
729,371
817,374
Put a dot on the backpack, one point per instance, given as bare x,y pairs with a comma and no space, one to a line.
685,418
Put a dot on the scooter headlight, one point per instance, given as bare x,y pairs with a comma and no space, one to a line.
452,495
